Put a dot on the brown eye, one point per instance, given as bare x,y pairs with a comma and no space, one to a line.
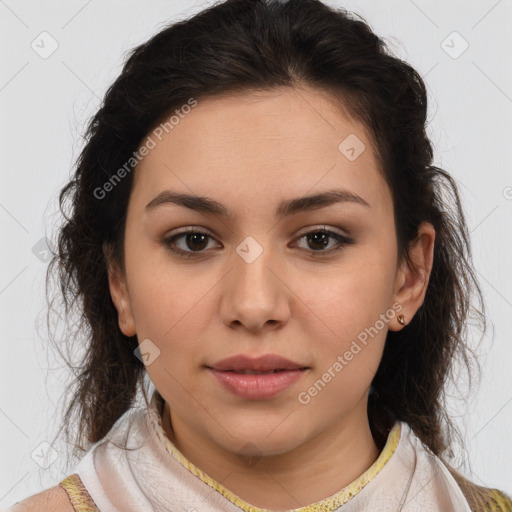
318,241
196,241
192,241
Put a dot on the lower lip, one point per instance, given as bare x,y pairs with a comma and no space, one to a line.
257,387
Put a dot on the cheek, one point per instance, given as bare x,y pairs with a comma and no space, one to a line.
351,309
175,314
163,295
352,297
348,359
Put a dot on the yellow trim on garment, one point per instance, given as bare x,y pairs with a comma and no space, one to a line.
501,502
78,495
326,505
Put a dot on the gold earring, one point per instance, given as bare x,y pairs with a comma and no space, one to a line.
401,319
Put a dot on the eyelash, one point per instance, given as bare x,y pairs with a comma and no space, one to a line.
342,241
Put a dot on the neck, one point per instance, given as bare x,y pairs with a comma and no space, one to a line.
328,462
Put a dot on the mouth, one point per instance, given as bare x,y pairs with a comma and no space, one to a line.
262,365
254,372
257,385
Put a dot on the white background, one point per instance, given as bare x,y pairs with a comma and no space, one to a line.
44,106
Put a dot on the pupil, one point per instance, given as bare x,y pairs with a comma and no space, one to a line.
320,238
197,238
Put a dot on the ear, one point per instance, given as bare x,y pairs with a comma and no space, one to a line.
119,293
411,283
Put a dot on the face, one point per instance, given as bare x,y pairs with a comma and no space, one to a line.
319,286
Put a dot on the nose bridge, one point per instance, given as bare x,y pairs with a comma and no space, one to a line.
252,262
254,293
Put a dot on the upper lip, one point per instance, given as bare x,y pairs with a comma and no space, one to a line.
263,363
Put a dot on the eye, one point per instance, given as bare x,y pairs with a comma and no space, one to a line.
197,242
318,240
193,238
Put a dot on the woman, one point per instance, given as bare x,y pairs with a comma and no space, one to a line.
257,224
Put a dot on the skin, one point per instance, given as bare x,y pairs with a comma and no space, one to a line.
250,152
52,500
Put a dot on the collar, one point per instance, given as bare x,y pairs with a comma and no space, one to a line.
136,468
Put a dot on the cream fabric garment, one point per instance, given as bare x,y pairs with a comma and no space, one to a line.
156,477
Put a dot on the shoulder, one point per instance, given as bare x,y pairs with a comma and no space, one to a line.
51,500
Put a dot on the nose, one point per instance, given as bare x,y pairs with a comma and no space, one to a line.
255,295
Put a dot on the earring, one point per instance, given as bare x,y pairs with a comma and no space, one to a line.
123,321
401,319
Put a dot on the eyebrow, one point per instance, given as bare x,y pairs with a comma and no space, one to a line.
286,208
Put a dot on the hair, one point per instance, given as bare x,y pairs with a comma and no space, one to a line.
239,46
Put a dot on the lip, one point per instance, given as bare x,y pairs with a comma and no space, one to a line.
257,387
254,386
263,363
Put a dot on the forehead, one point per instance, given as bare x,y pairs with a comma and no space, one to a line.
269,142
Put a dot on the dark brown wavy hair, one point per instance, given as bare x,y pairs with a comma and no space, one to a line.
243,45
